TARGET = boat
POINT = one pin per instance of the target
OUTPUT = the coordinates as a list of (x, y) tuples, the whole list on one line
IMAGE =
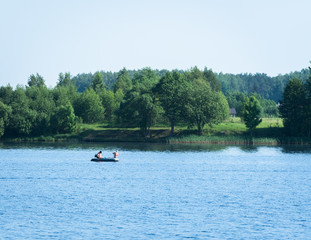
[(105, 159)]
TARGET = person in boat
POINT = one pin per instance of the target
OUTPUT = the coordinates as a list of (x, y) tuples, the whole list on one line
[(99, 154), (116, 154)]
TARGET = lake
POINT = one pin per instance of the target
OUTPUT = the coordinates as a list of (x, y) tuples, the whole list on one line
[(155, 191)]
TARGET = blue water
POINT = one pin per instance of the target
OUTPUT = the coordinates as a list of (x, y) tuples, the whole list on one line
[(154, 192)]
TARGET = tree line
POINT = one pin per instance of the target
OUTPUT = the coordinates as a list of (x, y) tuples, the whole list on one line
[(192, 98), (142, 98), (268, 87)]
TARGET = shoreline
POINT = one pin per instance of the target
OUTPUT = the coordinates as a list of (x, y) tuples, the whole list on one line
[(222, 140)]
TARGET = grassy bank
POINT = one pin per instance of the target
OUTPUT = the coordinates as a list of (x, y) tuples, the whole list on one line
[(232, 131)]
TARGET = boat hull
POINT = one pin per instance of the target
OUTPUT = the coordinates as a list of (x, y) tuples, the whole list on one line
[(105, 160)]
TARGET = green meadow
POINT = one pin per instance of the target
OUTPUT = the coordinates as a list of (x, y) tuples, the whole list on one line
[(231, 131)]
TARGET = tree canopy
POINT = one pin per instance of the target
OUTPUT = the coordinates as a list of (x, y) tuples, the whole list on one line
[(145, 97), (251, 113), (296, 107)]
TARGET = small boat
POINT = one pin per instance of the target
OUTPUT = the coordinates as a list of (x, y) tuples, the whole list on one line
[(105, 159)]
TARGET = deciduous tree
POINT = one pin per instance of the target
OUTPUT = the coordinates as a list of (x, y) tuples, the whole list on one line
[(170, 91), (139, 107), (251, 113), (64, 120), (89, 107), (36, 81)]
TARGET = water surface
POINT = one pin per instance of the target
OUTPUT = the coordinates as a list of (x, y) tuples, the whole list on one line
[(54, 191)]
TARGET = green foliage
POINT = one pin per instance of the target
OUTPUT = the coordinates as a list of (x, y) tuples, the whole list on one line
[(98, 84), (5, 112), (212, 79), (111, 103), (236, 99), (251, 113), (64, 79), (41, 103), (145, 97), (268, 87), (22, 117), (88, 106), (139, 107), (170, 91), (308, 107), (83, 81), (268, 107), (203, 104), (123, 82), (295, 107), (64, 120), (36, 81), (6, 94)]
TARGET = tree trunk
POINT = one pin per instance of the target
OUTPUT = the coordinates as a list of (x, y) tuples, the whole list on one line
[(200, 127), (172, 121), (172, 128)]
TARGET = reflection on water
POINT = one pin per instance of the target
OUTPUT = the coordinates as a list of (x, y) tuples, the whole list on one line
[(159, 147)]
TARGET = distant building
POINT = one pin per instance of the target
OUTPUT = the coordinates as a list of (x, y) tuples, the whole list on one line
[(232, 112)]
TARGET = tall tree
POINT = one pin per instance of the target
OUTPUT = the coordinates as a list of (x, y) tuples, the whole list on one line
[(110, 103), (123, 82), (65, 79), (212, 79), (203, 105), (41, 101), (36, 81), (251, 111), (308, 105), (171, 89), (5, 112), (88, 106), (6, 94), (293, 107), (22, 117), (139, 107), (64, 120), (98, 84)]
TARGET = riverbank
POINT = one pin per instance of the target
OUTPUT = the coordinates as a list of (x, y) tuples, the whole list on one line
[(233, 132)]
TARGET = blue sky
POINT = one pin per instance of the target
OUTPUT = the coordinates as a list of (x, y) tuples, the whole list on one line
[(240, 36)]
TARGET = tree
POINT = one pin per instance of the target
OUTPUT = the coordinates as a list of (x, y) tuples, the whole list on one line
[(41, 101), (36, 81), (5, 112), (22, 118), (212, 79), (293, 106), (98, 84), (251, 113), (6, 94), (235, 100), (170, 90), (88, 106), (139, 107), (64, 120), (64, 79), (308, 106), (83, 81), (123, 82), (204, 106)]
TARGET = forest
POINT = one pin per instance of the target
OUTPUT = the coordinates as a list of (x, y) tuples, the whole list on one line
[(144, 98)]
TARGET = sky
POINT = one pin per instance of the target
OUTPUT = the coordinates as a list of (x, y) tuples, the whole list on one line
[(82, 36)]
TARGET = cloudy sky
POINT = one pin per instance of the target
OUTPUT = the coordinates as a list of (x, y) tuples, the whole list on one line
[(82, 36)]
